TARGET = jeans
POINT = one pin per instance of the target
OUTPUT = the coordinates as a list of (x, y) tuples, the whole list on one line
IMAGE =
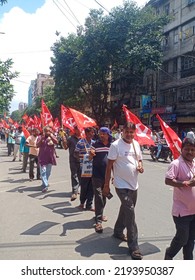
[(159, 150), (100, 200), (45, 171), (126, 217), (184, 238)]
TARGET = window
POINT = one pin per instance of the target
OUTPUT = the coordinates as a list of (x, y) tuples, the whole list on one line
[(187, 62), (175, 65), (167, 9), (188, 30), (176, 36)]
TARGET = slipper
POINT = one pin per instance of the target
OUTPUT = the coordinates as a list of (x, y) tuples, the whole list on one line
[(104, 219), (121, 237), (98, 228), (136, 255)]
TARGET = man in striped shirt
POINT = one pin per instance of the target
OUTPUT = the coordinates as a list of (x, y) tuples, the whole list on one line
[(99, 152), (82, 150)]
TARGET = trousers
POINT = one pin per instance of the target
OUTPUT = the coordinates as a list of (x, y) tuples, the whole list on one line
[(126, 217)]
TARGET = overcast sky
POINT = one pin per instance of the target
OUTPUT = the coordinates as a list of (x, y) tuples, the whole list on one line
[(30, 32)]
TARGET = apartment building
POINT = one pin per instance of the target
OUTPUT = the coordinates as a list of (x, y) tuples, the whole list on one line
[(172, 88), (37, 86)]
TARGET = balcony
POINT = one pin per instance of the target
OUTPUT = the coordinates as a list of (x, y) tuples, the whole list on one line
[(188, 72)]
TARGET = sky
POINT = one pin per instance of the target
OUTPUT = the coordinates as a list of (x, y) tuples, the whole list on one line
[(29, 28)]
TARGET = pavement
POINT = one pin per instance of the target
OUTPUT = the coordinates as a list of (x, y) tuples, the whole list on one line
[(50, 227)]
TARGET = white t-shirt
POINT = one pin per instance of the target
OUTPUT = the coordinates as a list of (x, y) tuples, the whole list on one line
[(125, 165)]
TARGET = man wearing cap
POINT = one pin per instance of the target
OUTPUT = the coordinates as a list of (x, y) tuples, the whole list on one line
[(99, 152)]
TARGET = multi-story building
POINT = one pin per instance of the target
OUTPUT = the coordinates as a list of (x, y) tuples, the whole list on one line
[(22, 106), (42, 81), (30, 92), (173, 87)]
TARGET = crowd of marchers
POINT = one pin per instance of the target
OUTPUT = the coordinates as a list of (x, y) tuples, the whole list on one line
[(101, 158)]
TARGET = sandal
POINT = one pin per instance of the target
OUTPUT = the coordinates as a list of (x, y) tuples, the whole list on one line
[(121, 237), (98, 228), (136, 255), (104, 219)]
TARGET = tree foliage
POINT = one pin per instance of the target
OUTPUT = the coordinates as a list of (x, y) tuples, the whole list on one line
[(16, 115), (6, 88), (128, 40), (3, 2)]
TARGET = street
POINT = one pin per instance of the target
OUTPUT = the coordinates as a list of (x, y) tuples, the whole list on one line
[(49, 226)]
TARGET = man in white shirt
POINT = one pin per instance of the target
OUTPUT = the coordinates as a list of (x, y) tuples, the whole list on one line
[(125, 158)]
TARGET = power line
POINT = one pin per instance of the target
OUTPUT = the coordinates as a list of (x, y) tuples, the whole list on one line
[(64, 14), (72, 12), (102, 6), (83, 4)]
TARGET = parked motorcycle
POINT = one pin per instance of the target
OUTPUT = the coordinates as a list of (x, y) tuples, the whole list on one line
[(164, 154)]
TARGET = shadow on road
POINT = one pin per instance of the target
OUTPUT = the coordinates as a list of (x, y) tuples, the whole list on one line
[(39, 228)]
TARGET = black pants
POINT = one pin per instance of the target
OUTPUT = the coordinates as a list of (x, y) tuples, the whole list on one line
[(75, 176), (126, 217), (86, 194), (100, 200), (184, 237), (32, 160)]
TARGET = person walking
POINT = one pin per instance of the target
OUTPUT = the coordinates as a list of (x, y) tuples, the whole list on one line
[(82, 150), (125, 158), (181, 176), (99, 151), (10, 141), (74, 163), (31, 142), (25, 152), (18, 135), (46, 157)]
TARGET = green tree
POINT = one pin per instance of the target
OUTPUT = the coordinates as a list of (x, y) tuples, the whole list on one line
[(3, 2), (16, 115), (6, 88), (122, 44)]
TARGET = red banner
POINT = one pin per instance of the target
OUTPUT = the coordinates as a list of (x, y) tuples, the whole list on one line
[(143, 133), (172, 139)]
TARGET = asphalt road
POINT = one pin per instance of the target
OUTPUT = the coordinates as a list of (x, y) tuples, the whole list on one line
[(49, 226)]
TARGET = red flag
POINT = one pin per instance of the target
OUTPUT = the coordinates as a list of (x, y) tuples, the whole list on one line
[(56, 124), (143, 133), (10, 121), (16, 124), (37, 123), (172, 139), (30, 122), (47, 116), (25, 131), (82, 120), (67, 118), (5, 125), (25, 117)]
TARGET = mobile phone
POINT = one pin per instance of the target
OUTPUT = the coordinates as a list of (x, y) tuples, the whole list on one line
[(109, 196)]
